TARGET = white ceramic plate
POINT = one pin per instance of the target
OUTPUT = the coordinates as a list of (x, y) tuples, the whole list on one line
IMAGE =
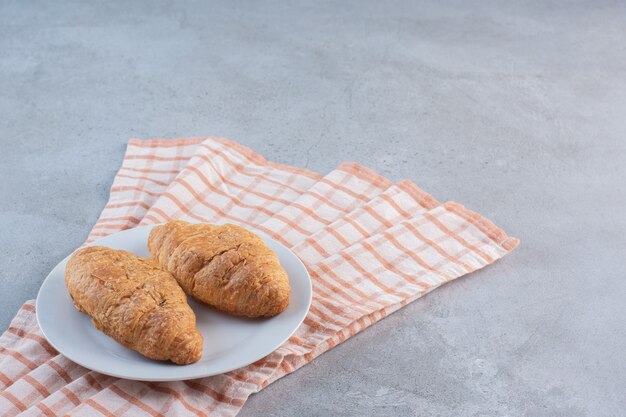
[(229, 342)]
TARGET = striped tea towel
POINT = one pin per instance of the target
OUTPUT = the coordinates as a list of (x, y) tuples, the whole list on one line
[(371, 247)]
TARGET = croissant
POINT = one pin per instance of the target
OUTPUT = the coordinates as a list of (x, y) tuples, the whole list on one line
[(226, 267), (136, 303)]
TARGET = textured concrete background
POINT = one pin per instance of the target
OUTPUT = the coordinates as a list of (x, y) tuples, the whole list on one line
[(515, 110)]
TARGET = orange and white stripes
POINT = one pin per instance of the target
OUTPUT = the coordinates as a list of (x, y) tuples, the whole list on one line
[(146, 172), (371, 247), (335, 195), (225, 182)]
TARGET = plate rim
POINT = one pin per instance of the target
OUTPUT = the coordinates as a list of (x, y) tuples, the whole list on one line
[(97, 242)]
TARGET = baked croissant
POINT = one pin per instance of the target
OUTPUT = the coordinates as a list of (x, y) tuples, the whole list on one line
[(226, 267), (136, 303)]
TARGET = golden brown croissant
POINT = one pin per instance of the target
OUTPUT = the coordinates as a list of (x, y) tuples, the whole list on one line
[(225, 266), (136, 303)]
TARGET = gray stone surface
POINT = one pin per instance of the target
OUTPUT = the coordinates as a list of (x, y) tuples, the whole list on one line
[(515, 110)]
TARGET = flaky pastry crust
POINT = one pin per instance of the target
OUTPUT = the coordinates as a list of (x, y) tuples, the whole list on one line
[(132, 300), (226, 267)]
